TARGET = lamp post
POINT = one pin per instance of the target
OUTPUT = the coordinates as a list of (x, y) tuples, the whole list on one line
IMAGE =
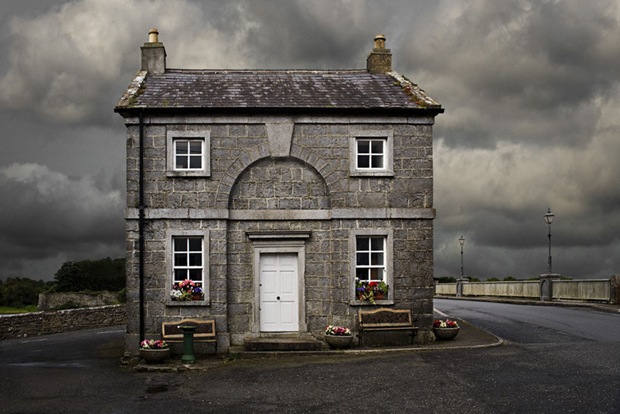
[(549, 219), (462, 242)]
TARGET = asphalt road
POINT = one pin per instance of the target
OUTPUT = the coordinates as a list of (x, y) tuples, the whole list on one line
[(544, 367)]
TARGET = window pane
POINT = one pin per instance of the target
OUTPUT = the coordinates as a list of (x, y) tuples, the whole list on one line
[(361, 274), (362, 259), (181, 162), (195, 259), (195, 244), (181, 147), (377, 161), (362, 243), (195, 147), (180, 275), (363, 147), (376, 259), (195, 163), (180, 244), (376, 274), (195, 274), (180, 259), (363, 161), (377, 243), (377, 147)]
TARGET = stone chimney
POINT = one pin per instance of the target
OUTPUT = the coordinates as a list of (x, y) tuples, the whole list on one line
[(153, 54), (380, 59)]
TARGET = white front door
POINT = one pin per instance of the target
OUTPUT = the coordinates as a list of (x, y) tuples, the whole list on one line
[(279, 295)]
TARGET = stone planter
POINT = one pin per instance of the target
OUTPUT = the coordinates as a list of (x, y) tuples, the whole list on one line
[(154, 356), (339, 341), (446, 333)]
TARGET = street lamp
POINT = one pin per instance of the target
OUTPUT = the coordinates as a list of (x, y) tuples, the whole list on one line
[(549, 219), (462, 242)]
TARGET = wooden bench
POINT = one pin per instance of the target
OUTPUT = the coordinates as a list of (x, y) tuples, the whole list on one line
[(386, 320), (205, 331)]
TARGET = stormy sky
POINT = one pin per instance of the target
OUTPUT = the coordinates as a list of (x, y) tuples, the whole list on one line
[(531, 91)]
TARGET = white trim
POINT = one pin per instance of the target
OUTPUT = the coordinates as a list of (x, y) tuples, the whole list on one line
[(279, 243)]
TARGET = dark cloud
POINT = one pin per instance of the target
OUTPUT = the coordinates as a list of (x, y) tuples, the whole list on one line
[(530, 89)]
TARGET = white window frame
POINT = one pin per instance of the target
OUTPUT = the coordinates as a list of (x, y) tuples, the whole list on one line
[(171, 235), (388, 257), (172, 137), (387, 137)]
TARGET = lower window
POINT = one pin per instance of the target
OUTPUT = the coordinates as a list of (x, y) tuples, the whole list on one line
[(370, 268), (188, 268)]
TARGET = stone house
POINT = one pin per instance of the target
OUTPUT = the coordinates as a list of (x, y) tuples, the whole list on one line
[(276, 192)]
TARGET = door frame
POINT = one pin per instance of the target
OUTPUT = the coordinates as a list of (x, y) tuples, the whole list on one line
[(280, 243)]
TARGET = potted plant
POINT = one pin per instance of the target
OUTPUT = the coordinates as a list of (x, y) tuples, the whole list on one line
[(370, 291), (445, 329), (338, 337), (186, 290), (154, 350)]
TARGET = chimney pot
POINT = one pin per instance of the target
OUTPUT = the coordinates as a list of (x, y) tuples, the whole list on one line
[(380, 42), (153, 33)]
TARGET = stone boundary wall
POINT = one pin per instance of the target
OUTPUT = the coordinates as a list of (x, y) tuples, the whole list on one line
[(59, 300), (43, 323)]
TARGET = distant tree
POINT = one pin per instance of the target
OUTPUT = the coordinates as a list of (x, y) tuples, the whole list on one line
[(20, 291), (509, 279), (492, 279), (104, 274), (446, 279), (473, 279)]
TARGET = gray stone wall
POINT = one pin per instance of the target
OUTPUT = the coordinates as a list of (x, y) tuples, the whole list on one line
[(76, 299), (246, 179), (44, 323)]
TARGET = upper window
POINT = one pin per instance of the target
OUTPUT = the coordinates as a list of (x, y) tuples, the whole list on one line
[(371, 153), (188, 153)]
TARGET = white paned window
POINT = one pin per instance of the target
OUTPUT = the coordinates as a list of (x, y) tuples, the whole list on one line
[(371, 153), (370, 258), (188, 153), (188, 265)]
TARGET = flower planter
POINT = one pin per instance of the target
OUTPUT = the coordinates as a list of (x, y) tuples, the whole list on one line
[(446, 333), (153, 356), (339, 341)]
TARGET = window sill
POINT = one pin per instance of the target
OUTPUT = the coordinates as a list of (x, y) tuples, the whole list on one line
[(383, 302), (188, 303), (379, 173)]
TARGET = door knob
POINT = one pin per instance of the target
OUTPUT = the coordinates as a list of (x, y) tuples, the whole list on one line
[(278, 298)]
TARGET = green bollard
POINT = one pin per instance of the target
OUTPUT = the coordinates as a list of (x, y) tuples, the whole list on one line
[(188, 344)]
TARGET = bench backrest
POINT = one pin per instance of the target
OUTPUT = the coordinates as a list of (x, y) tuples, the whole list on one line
[(204, 328), (385, 317)]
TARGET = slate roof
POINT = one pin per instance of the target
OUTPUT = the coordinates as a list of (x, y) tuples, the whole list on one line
[(275, 90)]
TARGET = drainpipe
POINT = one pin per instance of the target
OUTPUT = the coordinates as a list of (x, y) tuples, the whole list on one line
[(141, 225)]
